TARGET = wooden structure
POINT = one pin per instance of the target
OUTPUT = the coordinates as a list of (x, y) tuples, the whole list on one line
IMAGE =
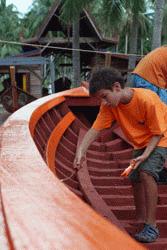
[(24, 83), (28, 71), (43, 199), (54, 33)]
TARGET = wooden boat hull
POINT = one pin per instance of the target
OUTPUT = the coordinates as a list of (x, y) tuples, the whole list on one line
[(39, 211)]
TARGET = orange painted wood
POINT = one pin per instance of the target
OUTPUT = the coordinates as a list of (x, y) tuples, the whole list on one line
[(90, 193), (55, 138), (59, 98), (5, 238), (40, 212), (37, 114)]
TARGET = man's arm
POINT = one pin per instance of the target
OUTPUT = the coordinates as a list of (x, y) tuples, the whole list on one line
[(90, 136), (150, 147)]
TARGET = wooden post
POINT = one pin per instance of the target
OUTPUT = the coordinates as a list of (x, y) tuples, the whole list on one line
[(52, 73), (131, 66), (25, 82), (108, 59), (14, 91)]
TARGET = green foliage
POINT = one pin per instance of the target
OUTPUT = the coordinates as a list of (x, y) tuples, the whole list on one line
[(9, 29), (71, 9), (113, 17), (164, 27), (33, 19), (112, 14)]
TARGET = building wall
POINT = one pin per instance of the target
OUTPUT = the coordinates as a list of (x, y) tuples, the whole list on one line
[(35, 76), (35, 84)]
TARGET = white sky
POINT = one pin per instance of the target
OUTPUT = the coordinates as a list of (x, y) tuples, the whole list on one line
[(22, 5)]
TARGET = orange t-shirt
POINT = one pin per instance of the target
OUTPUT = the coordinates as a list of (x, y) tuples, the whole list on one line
[(143, 117), (153, 67)]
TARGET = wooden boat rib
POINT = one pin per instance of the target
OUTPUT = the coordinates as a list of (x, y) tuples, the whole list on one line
[(38, 147)]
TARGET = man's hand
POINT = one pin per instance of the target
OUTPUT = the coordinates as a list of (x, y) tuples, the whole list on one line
[(150, 147), (78, 161), (139, 160), (90, 136), (134, 164)]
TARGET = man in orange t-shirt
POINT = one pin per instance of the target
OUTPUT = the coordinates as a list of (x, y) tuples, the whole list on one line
[(151, 72), (143, 119)]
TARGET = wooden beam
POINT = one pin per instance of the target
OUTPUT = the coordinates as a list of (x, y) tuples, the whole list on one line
[(23, 61), (108, 59), (14, 91), (61, 40)]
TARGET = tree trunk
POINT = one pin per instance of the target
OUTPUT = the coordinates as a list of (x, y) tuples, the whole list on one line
[(157, 27), (142, 46), (133, 36), (131, 66), (126, 43), (76, 54)]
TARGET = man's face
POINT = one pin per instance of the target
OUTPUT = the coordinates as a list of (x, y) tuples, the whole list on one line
[(110, 98)]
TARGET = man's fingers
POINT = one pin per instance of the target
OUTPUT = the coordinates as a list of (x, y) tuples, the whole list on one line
[(76, 165), (136, 165), (78, 162), (137, 162)]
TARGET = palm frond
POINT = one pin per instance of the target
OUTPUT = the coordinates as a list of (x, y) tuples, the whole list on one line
[(71, 9)]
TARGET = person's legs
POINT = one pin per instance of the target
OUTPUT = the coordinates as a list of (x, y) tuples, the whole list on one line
[(151, 197), (139, 201), (148, 173), (150, 232), (138, 191)]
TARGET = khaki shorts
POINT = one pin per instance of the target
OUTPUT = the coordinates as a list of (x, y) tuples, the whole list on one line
[(153, 165)]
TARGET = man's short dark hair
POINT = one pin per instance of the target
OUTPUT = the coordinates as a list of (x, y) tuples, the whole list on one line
[(104, 78)]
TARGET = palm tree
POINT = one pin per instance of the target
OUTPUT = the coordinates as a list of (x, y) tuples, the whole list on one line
[(157, 27), (164, 28), (127, 17), (71, 10), (9, 28), (35, 16), (138, 9), (109, 15)]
